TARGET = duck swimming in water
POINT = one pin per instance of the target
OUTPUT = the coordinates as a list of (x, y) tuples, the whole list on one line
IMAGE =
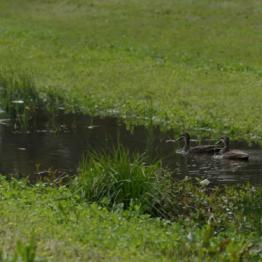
[(228, 153), (203, 149)]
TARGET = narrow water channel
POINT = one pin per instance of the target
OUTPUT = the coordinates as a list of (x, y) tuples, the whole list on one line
[(25, 154)]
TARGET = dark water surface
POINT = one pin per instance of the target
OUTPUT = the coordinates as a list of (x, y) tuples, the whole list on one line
[(24, 154)]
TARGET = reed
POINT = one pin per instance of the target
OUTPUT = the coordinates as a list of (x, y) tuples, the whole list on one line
[(125, 181), (118, 179), (25, 104)]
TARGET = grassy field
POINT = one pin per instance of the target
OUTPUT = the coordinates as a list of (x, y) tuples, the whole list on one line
[(47, 223), (188, 65), (185, 64)]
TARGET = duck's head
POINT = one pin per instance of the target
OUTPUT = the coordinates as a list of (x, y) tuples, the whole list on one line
[(185, 137), (224, 140)]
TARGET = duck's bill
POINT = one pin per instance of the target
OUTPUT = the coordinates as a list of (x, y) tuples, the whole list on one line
[(219, 142), (173, 140), (180, 138), (170, 141)]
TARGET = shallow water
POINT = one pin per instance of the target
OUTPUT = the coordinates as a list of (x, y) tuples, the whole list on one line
[(26, 154)]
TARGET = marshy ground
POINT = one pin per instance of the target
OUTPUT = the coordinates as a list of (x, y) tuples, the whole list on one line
[(185, 65)]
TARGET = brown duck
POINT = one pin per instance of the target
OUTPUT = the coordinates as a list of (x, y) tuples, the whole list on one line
[(228, 153), (202, 149)]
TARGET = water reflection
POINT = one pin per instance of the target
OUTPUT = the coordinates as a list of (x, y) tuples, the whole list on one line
[(24, 154)]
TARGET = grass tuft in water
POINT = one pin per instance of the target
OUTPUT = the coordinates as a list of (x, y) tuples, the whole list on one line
[(118, 180), (24, 103), (121, 180), (19, 97)]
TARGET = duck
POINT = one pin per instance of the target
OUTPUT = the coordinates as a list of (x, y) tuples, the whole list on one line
[(228, 153), (202, 149)]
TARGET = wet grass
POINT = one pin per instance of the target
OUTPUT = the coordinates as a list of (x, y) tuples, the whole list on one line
[(145, 61), (58, 223), (125, 180), (26, 106), (118, 179), (121, 208)]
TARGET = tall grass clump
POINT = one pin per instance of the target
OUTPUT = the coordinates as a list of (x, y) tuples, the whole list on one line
[(122, 180), (19, 97), (25, 104), (119, 179)]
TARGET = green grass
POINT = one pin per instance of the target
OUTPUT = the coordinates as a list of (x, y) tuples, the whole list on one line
[(124, 180), (188, 65), (184, 64), (26, 106), (121, 209), (118, 179), (44, 223)]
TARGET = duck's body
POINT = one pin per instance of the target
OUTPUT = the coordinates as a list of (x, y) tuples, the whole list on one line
[(234, 154), (203, 149)]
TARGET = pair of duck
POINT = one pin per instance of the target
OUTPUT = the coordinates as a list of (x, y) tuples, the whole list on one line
[(222, 152)]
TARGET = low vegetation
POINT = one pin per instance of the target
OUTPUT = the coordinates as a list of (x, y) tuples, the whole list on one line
[(128, 210), (122, 179), (187, 65), (115, 179), (144, 61), (26, 106)]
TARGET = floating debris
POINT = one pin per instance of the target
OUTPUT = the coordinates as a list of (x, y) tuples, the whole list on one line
[(4, 122), (43, 173), (18, 102), (92, 126), (171, 141), (21, 148), (205, 182)]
